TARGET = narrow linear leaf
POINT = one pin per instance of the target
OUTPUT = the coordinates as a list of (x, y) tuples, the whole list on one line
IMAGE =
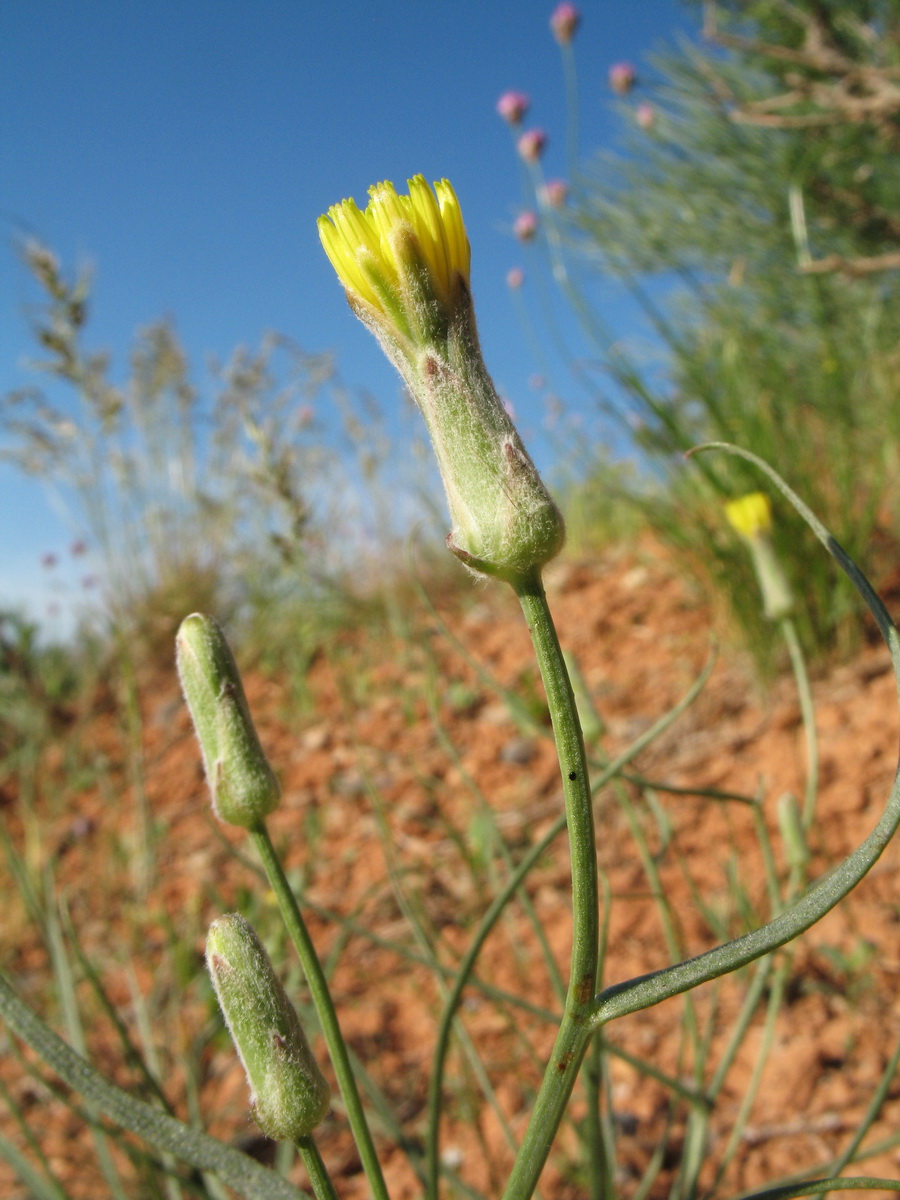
[(635, 994), (814, 1187), (188, 1145), (39, 1187)]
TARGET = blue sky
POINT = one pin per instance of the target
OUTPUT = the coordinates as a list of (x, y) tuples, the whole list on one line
[(186, 150)]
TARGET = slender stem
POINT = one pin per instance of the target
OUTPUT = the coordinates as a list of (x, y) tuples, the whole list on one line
[(319, 1179), (318, 987), (801, 676), (489, 920), (568, 58), (574, 1031), (598, 1134), (849, 1153)]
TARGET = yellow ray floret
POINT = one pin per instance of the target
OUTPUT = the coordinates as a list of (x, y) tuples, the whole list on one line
[(750, 515), (365, 252)]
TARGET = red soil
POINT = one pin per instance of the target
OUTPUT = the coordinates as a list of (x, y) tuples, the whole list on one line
[(384, 759)]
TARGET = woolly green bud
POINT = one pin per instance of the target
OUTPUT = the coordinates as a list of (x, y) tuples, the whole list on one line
[(288, 1093), (243, 785), (404, 264)]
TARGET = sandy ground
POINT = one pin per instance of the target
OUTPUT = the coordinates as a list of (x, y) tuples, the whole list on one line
[(388, 755)]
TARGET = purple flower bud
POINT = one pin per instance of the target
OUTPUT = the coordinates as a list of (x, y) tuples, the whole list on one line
[(555, 192), (531, 144), (645, 115), (622, 78), (49, 560), (564, 22), (512, 107), (515, 277), (525, 226)]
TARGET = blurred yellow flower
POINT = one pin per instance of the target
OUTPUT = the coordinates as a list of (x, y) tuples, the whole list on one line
[(750, 515)]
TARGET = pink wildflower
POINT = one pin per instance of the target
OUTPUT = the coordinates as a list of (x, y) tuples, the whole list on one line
[(622, 78), (512, 107), (531, 144), (555, 192), (515, 277), (564, 22), (645, 115), (525, 226)]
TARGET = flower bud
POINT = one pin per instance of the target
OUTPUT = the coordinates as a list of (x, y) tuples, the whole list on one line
[(564, 22), (404, 264), (751, 517), (243, 786), (531, 144), (645, 115), (512, 107), (622, 78), (515, 277), (555, 192), (525, 226), (289, 1095)]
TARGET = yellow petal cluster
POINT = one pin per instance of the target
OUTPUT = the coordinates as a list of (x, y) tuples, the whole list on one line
[(365, 252), (750, 515)]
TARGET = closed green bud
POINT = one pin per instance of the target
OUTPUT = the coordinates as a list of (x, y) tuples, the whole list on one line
[(243, 785), (288, 1093)]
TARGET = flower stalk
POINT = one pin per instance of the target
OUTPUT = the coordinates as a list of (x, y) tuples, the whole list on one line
[(404, 265), (576, 1026), (209, 676)]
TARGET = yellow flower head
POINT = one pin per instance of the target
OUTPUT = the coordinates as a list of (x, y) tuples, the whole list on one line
[(404, 264), (399, 247), (750, 515)]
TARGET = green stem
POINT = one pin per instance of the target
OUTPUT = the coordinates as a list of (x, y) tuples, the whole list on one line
[(574, 1031), (319, 1179), (598, 1136), (467, 964), (321, 996), (801, 677), (568, 58)]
